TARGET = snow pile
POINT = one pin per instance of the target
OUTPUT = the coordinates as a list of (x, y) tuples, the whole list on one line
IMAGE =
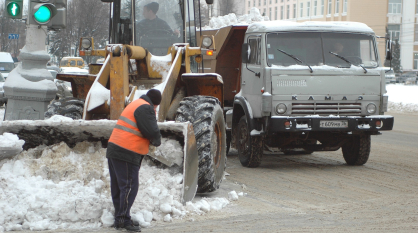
[(57, 187), (232, 19), (10, 145), (172, 151), (402, 98), (233, 196), (59, 118), (402, 107)]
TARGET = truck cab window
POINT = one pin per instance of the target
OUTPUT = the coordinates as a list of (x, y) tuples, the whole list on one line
[(255, 51), (359, 49), (305, 46)]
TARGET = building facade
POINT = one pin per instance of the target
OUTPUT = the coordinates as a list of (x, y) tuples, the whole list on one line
[(398, 16)]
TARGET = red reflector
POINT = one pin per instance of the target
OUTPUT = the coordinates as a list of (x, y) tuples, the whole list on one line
[(378, 123), (82, 53), (287, 123), (262, 90), (209, 52)]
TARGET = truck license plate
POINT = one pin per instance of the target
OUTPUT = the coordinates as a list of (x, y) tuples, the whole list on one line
[(333, 124)]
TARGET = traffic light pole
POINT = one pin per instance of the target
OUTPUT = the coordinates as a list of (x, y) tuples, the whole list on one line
[(30, 86)]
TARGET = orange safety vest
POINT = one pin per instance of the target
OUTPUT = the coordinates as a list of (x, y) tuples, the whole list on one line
[(126, 133)]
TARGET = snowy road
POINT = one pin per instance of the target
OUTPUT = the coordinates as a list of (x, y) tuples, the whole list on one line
[(319, 193)]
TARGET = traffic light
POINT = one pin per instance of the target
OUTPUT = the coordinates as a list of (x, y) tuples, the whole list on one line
[(51, 13), (59, 21), (14, 8)]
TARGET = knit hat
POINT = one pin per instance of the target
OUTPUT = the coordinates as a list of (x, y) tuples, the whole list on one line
[(155, 96), (153, 6)]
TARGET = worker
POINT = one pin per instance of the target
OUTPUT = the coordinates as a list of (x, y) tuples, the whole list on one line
[(135, 129), (151, 21)]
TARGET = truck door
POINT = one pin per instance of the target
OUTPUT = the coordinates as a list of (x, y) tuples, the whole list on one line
[(252, 80)]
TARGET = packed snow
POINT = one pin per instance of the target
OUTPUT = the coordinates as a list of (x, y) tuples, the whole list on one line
[(56, 187), (232, 19)]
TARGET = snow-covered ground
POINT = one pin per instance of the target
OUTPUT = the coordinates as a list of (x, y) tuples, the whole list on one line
[(57, 187), (403, 98)]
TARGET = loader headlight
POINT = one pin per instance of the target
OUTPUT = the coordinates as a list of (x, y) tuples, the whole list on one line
[(207, 42), (281, 108), (86, 43), (371, 108)]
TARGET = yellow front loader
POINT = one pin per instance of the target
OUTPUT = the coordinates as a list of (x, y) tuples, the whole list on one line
[(191, 110)]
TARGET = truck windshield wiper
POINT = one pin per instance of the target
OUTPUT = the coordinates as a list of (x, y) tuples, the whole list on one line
[(296, 59), (345, 59)]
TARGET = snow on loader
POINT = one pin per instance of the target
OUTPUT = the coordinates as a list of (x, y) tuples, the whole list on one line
[(157, 59)]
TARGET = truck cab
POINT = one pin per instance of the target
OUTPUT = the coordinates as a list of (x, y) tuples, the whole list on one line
[(313, 86)]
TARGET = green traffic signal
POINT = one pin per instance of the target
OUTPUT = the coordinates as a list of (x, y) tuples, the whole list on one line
[(43, 14), (13, 9)]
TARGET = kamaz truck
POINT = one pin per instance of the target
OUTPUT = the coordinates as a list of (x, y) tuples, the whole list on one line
[(300, 87)]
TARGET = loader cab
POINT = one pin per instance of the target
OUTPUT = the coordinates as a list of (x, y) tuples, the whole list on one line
[(154, 24)]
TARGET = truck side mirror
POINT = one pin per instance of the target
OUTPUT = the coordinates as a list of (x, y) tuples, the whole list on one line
[(209, 2), (389, 50), (244, 53)]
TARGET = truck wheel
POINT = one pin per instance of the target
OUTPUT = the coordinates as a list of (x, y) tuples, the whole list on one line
[(69, 107), (206, 115), (357, 150), (250, 149)]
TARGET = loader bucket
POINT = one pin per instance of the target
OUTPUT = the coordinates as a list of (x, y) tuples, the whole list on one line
[(49, 132)]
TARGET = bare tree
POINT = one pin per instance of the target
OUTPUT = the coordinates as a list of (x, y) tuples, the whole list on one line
[(227, 6), (89, 18)]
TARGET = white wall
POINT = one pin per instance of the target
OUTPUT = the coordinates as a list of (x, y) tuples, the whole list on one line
[(407, 34)]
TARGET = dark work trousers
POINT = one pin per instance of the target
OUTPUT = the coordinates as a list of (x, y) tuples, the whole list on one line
[(124, 187)]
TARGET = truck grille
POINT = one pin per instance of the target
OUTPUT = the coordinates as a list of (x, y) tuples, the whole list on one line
[(352, 109)]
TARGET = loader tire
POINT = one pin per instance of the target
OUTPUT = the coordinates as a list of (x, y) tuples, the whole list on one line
[(206, 115), (69, 107), (357, 150), (250, 148)]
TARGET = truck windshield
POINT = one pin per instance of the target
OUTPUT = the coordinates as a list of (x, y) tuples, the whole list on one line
[(158, 24), (315, 48)]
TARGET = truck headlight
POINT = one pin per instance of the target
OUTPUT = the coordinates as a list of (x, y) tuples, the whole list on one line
[(207, 42), (371, 108), (281, 108)]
